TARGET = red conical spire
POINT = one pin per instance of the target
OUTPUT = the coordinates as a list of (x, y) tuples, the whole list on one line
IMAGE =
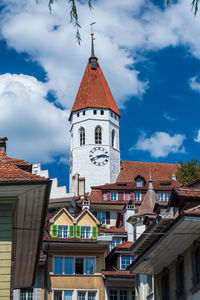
[(94, 91)]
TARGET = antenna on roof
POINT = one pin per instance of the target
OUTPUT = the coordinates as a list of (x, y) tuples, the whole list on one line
[(93, 59)]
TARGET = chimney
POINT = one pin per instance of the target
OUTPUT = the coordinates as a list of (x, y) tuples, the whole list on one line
[(75, 184), (81, 183), (3, 143)]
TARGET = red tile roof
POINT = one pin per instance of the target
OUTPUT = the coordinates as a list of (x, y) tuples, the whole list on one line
[(192, 211), (94, 92), (115, 272), (125, 245), (9, 172), (112, 229), (158, 185), (19, 162), (96, 197), (187, 192), (159, 171)]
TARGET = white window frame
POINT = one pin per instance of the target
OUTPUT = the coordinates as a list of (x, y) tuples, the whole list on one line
[(26, 293), (136, 197), (63, 225), (115, 193), (114, 238), (131, 260), (165, 196), (101, 212), (139, 183), (74, 257), (118, 291), (75, 293), (90, 235)]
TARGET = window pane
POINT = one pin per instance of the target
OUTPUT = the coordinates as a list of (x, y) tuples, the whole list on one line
[(137, 196), (57, 295), (58, 265), (68, 265), (123, 295), (68, 295), (126, 261), (113, 196), (78, 265), (85, 232), (81, 295), (102, 217), (26, 295), (89, 265), (92, 295), (62, 231), (115, 242), (113, 294)]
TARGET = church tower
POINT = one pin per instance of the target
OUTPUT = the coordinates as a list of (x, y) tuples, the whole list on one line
[(94, 127)]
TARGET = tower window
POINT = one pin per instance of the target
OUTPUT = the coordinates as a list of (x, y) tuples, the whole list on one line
[(113, 138), (94, 112), (82, 136), (102, 112), (98, 135), (84, 113), (77, 114)]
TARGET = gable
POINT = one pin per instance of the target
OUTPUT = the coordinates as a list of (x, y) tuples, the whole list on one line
[(86, 219), (63, 219)]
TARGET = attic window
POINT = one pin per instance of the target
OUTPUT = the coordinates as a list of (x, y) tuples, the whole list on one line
[(102, 112), (139, 183), (84, 113), (94, 112), (77, 114)]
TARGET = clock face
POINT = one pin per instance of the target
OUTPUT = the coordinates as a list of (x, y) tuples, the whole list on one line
[(99, 156)]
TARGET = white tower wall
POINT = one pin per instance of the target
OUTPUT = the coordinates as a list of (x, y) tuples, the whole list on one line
[(80, 161)]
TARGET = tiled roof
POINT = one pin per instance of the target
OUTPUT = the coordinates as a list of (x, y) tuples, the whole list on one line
[(125, 245), (160, 185), (187, 192), (96, 197), (115, 272), (112, 230), (192, 211), (19, 162), (94, 92), (159, 171), (9, 172)]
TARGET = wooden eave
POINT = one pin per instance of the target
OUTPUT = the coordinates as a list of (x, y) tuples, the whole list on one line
[(173, 241), (30, 206)]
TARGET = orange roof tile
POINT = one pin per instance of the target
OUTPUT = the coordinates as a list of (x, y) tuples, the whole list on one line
[(159, 171), (112, 230), (9, 172), (125, 245), (187, 192), (94, 92)]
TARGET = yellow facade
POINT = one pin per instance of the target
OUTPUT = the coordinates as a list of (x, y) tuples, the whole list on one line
[(76, 248), (6, 212)]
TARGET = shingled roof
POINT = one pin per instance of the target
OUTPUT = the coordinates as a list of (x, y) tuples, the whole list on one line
[(159, 171), (9, 172), (94, 92)]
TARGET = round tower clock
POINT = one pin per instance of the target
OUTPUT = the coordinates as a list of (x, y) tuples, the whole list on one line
[(99, 156)]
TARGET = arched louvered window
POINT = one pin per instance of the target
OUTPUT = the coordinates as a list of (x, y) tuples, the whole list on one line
[(82, 136), (98, 135), (113, 138)]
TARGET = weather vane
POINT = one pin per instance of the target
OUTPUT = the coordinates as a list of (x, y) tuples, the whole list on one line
[(92, 33)]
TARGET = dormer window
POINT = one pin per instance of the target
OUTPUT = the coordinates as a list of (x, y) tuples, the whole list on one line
[(139, 183)]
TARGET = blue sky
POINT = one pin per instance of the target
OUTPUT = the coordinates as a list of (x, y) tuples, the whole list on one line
[(150, 56)]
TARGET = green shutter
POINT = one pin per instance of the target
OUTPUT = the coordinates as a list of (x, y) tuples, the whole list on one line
[(71, 231), (54, 231), (94, 232), (77, 231)]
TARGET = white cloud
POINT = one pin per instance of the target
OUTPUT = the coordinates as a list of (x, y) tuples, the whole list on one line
[(167, 116), (197, 138), (194, 84), (35, 128), (160, 144)]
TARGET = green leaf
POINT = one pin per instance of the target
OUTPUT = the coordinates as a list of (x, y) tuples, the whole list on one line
[(54, 231)]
